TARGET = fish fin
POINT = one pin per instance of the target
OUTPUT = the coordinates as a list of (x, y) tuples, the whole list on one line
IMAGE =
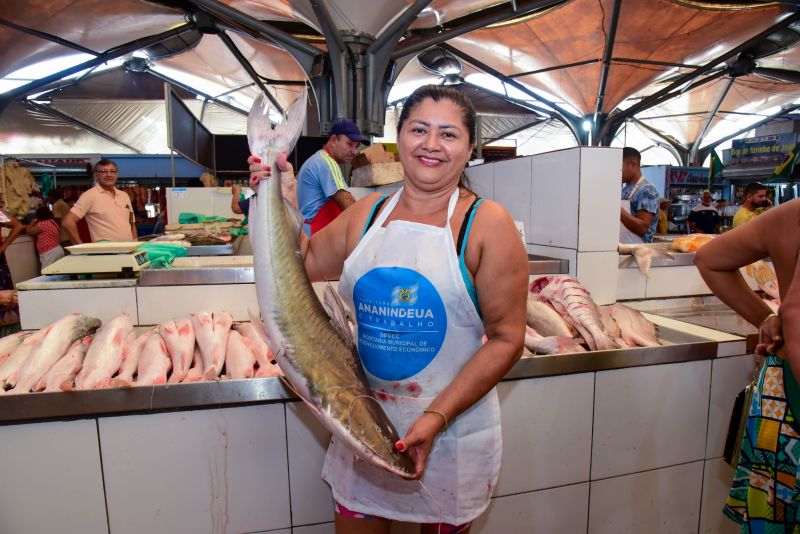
[(335, 308), (295, 216)]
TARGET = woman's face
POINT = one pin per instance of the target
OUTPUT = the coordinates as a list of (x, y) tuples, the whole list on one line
[(434, 144)]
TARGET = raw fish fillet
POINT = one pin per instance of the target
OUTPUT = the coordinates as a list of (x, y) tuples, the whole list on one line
[(178, 335), (195, 373), (11, 365), (154, 363), (240, 360), (574, 303), (550, 344), (10, 343), (57, 339), (255, 333), (130, 356), (636, 329), (104, 357), (61, 376), (211, 332), (691, 242), (546, 320)]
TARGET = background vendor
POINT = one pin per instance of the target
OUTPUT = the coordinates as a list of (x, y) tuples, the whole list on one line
[(108, 210), (321, 191), (640, 201), (755, 201)]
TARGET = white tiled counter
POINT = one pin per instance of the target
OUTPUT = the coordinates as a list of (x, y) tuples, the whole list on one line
[(629, 449)]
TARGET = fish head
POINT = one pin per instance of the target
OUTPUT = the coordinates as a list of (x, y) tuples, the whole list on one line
[(370, 425)]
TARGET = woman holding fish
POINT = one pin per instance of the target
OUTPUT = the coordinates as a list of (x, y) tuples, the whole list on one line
[(764, 496), (426, 272)]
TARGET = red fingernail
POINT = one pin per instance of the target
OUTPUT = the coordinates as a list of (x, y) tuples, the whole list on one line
[(256, 159), (400, 446)]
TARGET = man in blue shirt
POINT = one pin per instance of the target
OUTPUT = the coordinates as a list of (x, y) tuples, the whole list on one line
[(321, 193), (640, 199)]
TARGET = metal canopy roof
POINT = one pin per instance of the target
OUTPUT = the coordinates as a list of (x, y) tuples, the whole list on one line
[(689, 73)]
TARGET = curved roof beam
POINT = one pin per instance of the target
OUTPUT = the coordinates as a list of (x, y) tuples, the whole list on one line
[(573, 122), (49, 37), (468, 23), (248, 68), (113, 53), (714, 110), (676, 87), (607, 54), (672, 144)]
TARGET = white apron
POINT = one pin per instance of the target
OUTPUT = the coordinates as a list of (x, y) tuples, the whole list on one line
[(417, 327), (625, 235)]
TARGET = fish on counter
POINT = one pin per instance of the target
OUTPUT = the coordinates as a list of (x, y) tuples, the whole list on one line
[(195, 373), (104, 357), (211, 331), (254, 331), (645, 253), (545, 320), (61, 376), (178, 335), (131, 352), (538, 344), (9, 343), (240, 360), (636, 329), (56, 340), (575, 305), (691, 242), (11, 365), (154, 363), (319, 362)]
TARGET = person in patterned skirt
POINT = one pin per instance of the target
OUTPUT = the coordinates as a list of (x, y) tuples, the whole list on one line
[(765, 494)]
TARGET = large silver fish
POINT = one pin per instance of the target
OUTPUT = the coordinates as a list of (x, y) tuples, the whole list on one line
[(318, 359)]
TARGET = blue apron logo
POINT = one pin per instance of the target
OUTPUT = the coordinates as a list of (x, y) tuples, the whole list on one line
[(401, 322)]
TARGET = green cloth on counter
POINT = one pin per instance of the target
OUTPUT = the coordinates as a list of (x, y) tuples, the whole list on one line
[(162, 255), (195, 218)]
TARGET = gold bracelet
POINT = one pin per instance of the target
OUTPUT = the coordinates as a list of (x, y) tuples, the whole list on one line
[(767, 318), (440, 413)]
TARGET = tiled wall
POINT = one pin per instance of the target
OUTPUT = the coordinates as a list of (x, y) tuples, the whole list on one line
[(568, 201), (628, 450)]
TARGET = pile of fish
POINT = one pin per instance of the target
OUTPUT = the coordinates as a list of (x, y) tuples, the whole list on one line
[(77, 353), (562, 318)]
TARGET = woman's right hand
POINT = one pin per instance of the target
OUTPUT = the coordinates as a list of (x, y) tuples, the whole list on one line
[(261, 171), (770, 336)]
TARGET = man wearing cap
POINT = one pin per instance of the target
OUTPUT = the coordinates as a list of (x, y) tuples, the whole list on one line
[(321, 193)]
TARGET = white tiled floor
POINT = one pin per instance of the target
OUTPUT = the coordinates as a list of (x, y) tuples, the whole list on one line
[(728, 377), (555, 511), (307, 442), (649, 417), (52, 480), (547, 432), (717, 480), (661, 501), (201, 471), (325, 528)]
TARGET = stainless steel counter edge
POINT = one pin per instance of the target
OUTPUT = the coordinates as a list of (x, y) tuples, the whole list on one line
[(150, 399)]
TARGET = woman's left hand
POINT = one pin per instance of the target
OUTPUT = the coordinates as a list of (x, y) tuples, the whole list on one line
[(770, 336), (418, 441)]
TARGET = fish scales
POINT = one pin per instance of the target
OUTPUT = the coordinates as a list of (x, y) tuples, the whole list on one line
[(319, 364)]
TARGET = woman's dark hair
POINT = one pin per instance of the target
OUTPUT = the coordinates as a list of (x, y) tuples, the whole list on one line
[(438, 93), (44, 213)]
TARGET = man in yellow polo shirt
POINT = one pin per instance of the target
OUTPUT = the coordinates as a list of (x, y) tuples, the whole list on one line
[(108, 211), (755, 200)]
